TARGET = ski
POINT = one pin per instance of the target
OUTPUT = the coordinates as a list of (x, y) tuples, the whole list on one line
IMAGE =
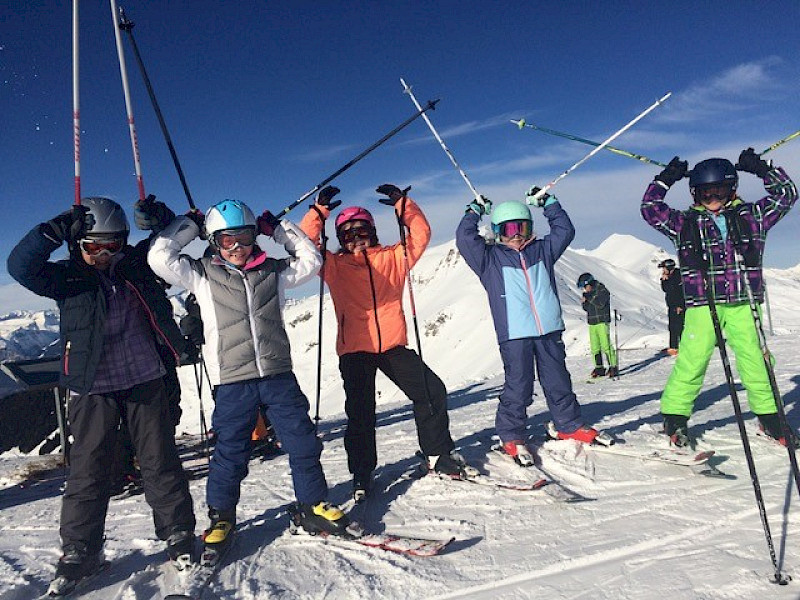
[(399, 544), (552, 488), (61, 587)]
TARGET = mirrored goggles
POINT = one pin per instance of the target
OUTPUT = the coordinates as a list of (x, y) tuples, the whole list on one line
[(234, 238), (719, 192), (522, 228), (97, 247), (348, 236)]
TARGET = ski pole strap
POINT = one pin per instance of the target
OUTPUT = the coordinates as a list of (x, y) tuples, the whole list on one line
[(431, 105)]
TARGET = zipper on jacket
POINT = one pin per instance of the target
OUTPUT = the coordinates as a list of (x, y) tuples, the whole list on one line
[(249, 295), (152, 319), (66, 357), (374, 302), (530, 293)]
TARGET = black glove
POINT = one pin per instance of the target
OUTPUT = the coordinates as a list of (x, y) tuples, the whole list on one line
[(199, 219), (325, 197), (191, 323), (541, 200), (267, 223), (394, 193), (69, 226), (674, 172), (150, 215), (750, 162)]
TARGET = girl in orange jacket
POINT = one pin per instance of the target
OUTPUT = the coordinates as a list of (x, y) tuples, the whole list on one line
[(366, 282)]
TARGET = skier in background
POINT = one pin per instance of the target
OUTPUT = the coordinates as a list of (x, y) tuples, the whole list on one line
[(114, 315), (518, 274), (240, 291), (366, 282), (596, 301), (676, 305), (705, 235)]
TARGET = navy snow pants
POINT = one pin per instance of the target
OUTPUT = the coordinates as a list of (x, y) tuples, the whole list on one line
[(234, 419), (549, 355)]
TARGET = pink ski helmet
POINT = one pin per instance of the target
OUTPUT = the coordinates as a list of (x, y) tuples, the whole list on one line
[(354, 213)]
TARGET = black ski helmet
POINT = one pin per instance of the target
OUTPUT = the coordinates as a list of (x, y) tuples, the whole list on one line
[(585, 279), (711, 172), (667, 264)]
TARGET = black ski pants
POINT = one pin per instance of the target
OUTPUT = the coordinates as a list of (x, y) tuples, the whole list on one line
[(405, 369), (94, 421), (675, 322)]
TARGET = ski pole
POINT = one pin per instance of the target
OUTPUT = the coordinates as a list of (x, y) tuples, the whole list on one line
[(779, 143), (521, 123), (412, 303), (617, 317), (198, 378), (123, 71), (726, 365), (407, 90), (430, 106), (602, 145), (323, 251), (767, 356), (76, 104), (127, 26)]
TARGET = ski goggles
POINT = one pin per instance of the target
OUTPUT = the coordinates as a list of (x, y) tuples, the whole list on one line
[(96, 247), (718, 192), (234, 238), (347, 236), (509, 229)]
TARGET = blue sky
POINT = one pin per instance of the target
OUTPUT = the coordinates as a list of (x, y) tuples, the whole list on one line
[(265, 99)]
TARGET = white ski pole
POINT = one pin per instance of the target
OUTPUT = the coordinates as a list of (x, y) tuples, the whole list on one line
[(76, 107), (407, 90), (123, 71), (602, 145)]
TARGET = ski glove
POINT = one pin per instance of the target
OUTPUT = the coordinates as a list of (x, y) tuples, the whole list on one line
[(150, 215), (394, 193), (267, 223), (480, 207), (69, 226), (750, 162), (541, 201), (199, 219), (674, 172), (325, 197)]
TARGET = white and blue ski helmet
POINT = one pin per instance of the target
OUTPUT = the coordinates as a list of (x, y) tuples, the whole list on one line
[(228, 214)]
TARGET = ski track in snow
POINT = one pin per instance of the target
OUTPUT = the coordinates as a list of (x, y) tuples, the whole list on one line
[(651, 531)]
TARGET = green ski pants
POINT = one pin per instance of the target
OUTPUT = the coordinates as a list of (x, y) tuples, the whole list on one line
[(600, 343)]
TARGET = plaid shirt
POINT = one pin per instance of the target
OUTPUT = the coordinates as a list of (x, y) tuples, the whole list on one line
[(129, 354), (753, 220)]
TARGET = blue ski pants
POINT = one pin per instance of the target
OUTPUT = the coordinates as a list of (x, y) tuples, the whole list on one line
[(547, 352), (234, 419)]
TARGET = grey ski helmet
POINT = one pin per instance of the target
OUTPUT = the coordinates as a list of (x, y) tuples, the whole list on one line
[(585, 279), (711, 172), (104, 218)]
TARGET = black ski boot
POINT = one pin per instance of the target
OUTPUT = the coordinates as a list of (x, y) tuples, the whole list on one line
[(75, 565), (180, 548), (361, 487), (677, 428), (451, 465), (612, 372), (598, 372), (770, 426)]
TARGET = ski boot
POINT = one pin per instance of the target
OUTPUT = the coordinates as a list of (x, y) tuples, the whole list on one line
[(180, 548), (583, 434), (677, 428), (517, 450), (128, 485), (450, 465), (218, 538), (612, 372), (321, 518), (361, 487), (74, 566), (770, 426), (598, 372)]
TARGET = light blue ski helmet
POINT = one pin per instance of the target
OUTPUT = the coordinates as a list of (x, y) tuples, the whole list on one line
[(228, 214), (510, 211)]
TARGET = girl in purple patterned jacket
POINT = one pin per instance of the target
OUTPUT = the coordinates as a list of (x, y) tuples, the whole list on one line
[(706, 237)]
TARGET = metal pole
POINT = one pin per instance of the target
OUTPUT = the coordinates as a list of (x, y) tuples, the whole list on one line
[(76, 104), (62, 426)]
